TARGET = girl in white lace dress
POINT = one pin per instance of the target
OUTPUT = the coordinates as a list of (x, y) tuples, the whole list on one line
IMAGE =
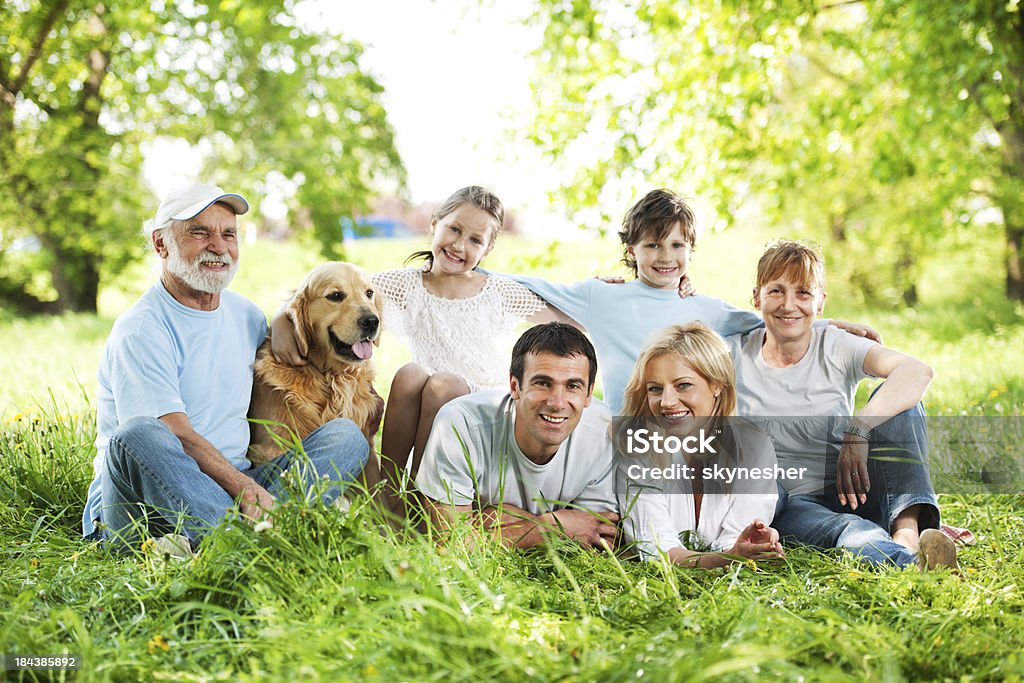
[(454, 319)]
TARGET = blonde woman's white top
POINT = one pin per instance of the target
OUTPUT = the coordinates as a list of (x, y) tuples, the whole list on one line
[(658, 514)]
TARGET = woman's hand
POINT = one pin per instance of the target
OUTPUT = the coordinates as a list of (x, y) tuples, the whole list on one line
[(858, 329), (758, 542), (852, 482)]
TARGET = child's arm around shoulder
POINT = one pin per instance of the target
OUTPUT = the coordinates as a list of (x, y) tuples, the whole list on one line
[(735, 320), (856, 329), (726, 319), (525, 297), (550, 314)]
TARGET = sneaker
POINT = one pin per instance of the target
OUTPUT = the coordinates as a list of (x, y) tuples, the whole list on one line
[(173, 546), (961, 536), (937, 550)]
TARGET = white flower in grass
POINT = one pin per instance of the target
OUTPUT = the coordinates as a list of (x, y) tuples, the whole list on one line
[(263, 526)]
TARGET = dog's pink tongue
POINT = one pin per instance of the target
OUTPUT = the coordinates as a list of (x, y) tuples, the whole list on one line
[(363, 349)]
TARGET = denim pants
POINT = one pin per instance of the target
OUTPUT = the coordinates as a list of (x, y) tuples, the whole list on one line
[(150, 478), (898, 469)]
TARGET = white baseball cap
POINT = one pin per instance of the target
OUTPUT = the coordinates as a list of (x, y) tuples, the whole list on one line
[(189, 202)]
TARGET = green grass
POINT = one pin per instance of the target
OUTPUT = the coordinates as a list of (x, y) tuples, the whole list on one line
[(332, 596)]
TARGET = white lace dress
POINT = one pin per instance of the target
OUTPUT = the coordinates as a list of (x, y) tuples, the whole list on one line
[(462, 336)]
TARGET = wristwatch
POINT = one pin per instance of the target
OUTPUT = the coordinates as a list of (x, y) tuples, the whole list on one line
[(857, 431)]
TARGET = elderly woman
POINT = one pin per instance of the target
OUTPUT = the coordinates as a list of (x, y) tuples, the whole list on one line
[(867, 487), (682, 389)]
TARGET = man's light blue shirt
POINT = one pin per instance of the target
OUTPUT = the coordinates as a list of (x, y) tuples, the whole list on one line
[(163, 357)]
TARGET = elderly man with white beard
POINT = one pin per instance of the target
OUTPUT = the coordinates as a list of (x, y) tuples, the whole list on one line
[(174, 389)]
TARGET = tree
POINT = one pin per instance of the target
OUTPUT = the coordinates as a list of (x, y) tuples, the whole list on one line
[(84, 84), (966, 64), (886, 123)]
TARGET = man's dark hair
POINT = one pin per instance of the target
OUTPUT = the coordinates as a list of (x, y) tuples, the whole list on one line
[(556, 338)]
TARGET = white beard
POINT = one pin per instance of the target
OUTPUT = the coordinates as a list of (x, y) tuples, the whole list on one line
[(194, 275)]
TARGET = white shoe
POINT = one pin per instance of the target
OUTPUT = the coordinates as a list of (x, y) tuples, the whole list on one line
[(173, 546)]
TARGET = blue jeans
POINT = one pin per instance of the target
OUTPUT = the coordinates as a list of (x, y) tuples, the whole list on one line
[(150, 479), (898, 468)]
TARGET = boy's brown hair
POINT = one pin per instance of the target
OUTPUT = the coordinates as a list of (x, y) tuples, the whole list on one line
[(652, 218)]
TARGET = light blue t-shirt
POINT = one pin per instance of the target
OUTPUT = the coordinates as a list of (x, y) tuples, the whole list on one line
[(622, 317), (164, 357)]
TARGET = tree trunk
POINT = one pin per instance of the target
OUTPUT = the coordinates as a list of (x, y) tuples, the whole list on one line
[(77, 281), (837, 226), (1010, 199), (1010, 195), (75, 272), (89, 288), (1014, 257), (910, 295), (75, 276), (63, 284), (905, 273)]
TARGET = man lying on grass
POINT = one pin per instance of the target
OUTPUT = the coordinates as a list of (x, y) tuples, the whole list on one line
[(175, 382), (534, 461)]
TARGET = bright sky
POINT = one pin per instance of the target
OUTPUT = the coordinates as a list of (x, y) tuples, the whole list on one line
[(456, 78)]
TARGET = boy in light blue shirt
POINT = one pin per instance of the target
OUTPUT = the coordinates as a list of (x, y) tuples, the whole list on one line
[(658, 235)]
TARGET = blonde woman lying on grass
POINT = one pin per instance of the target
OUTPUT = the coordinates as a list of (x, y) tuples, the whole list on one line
[(682, 386)]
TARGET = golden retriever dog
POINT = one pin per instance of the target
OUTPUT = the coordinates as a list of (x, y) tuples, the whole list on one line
[(337, 319)]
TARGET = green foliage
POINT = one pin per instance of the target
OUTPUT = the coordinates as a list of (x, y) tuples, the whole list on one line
[(876, 127), (83, 85)]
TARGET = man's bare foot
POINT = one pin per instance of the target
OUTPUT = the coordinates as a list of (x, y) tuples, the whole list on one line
[(905, 529), (908, 538)]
